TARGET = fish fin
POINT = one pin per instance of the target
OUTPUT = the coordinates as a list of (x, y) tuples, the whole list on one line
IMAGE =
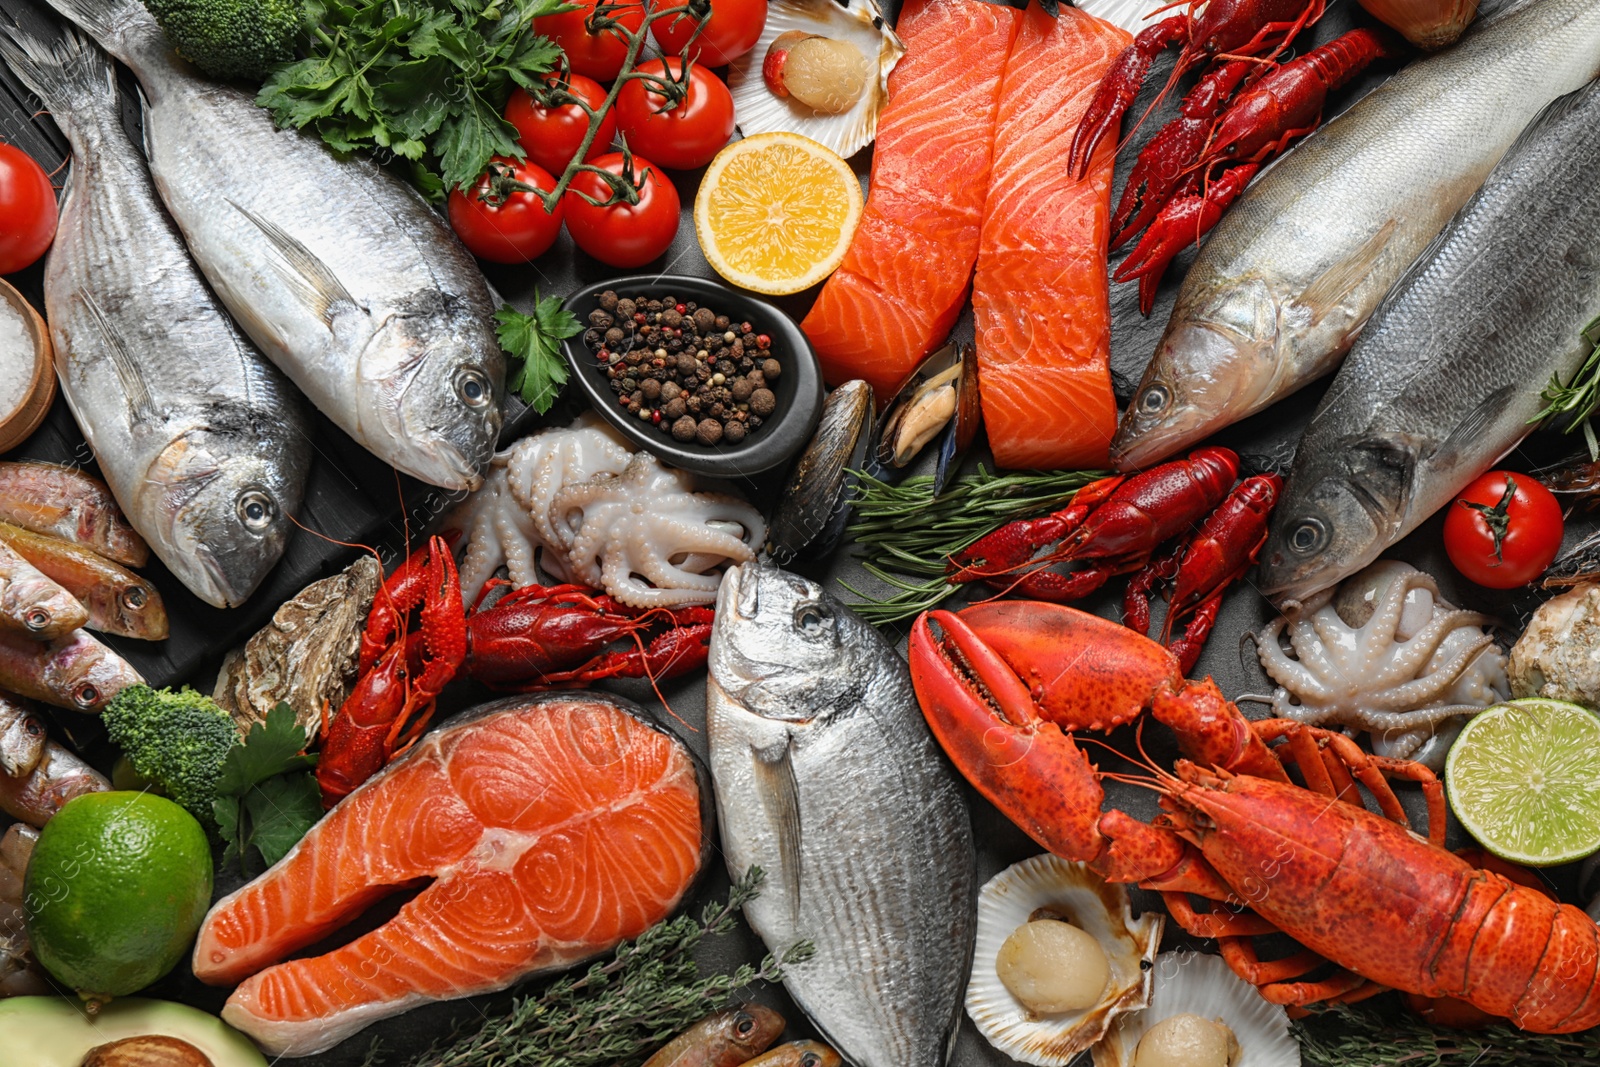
[(312, 279), (1380, 471), (121, 26), (1470, 429), (72, 78), (140, 406), (781, 794), (1340, 280)]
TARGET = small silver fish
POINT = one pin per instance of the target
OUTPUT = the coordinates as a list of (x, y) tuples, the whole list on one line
[(828, 778), (343, 275)]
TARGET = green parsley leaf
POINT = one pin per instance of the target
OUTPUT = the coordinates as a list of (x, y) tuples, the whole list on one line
[(273, 747), (281, 810), (534, 344)]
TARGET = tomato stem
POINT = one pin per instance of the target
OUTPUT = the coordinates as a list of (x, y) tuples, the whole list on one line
[(1497, 517)]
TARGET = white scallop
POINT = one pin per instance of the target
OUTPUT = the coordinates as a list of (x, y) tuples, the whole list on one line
[(1131, 15), (758, 110), (1073, 892), (1206, 986)]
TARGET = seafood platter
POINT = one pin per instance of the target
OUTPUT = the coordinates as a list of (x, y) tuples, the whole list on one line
[(799, 533)]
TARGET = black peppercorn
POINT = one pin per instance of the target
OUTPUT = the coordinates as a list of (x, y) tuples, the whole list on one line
[(756, 379), (683, 429), (675, 409), (608, 300), (709, 432), (741, 390), (762, 401), (671, 319), (771, 368), (626, 308), (600, 318), (670, 390), (704, 319), (733, 432), (650, 388)]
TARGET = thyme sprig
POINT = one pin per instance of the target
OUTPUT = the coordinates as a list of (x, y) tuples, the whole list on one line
[(650, 990), (1362, 1037), (1579, 398), (908, 533)]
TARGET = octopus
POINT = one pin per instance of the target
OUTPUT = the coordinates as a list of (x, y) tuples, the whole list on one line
[(576, 504), (1558, 655), (1385, 653), (650, 541), (19, 974)]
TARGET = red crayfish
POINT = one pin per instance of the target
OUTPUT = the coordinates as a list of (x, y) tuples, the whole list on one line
[(1117, 525), (531, 638)]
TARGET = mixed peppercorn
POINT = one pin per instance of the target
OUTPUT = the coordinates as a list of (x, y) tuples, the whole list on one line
[(698, 374)]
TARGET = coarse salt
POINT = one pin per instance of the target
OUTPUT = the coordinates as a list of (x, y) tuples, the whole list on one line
[(17, 356)]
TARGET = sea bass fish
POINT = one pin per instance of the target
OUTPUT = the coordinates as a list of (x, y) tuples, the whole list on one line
[(341, 272), (829, 780), (1294, 270), (203, 442), (1448, 375)]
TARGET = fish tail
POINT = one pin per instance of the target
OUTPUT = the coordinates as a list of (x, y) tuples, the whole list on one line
[(74, 79), (121, 26)]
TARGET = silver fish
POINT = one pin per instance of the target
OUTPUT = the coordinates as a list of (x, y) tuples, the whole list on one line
[(341, 272), (22, 736), (829, 780), (203, 442), (1448, 374), (1292, 272)]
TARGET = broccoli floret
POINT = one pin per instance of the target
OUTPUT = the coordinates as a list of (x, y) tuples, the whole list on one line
[(175, 739), (232, 38)]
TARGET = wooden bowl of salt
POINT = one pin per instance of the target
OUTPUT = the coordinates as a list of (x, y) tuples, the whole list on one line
[(27, 371)]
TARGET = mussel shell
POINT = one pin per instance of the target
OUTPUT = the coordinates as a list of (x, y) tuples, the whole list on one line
[(815, 508), (958, 434)]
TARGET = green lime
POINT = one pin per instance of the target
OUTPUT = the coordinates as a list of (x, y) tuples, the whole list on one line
[(116, 888), (1524, 779)]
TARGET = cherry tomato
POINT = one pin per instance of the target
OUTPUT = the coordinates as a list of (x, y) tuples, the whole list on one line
[(598, 55), (730, 32), (621, 234), (1503, 531), (551, 135), (688, 135), (504, 224), (27, 210)]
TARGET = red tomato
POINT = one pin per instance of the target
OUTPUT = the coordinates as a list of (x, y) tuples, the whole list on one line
[(503, 224), (730, 32), (27, 210), (597, 55), (1503, 531), (622, 234), (551, 135), (688, 135)]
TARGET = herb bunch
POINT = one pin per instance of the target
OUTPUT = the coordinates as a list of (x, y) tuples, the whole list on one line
[(649, 991), (537, 372), (1578, 399), (267, 799), (1362, 1037), (910, 534)]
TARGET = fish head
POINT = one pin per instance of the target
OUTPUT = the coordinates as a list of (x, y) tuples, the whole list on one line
[(1340, 510), (88, 673), (438, 377), (750, 1028), (784, 649), (222, 511), (1217, 362)]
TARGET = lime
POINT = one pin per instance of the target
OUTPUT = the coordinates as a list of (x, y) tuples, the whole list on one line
[(1524, 779), (116, 889)]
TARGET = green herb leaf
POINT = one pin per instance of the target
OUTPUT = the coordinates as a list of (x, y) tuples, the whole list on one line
[(1368, 1037), (226, 810), (538, 370), (272, 747), (1578, 398), (281, 810)]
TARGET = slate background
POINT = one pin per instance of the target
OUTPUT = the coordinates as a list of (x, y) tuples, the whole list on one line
[(353, 497)]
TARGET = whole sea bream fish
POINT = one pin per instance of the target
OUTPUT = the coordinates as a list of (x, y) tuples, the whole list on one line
[(1448, 375), (341, 272), (203, 442), (829, 780), (1289, 276)]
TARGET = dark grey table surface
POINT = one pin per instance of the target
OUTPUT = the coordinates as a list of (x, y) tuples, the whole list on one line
[(352, 497)]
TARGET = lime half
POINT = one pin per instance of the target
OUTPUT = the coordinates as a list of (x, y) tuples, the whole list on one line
[(1524, 779)]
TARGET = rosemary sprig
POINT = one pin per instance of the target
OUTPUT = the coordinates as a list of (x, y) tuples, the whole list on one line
[(649, 991), (1361, 1037), (909, 534), (1579, 398)]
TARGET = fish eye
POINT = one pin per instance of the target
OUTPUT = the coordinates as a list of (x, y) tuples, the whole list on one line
[(1309, 536), (809, 619), (133, 598), (743, 1024), (810, 1059), (472, 387), (88, 695), (1154, 400), (256, 510), (37, 619)]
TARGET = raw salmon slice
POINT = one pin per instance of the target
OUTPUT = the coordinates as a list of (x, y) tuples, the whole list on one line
[(551, 827), (1041, 297), (904, 279)]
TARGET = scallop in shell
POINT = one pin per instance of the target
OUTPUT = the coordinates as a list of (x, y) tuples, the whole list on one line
[(758, 109), (1050, 887), (1190, 983)]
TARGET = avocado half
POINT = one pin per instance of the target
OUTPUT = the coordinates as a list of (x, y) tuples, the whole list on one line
[(55, 1032)]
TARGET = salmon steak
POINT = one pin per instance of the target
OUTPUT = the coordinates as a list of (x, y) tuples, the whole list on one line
[(904, 278), (1040, 298), (543, 830)]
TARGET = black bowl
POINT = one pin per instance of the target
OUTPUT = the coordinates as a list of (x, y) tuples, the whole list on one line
[(798, 389)]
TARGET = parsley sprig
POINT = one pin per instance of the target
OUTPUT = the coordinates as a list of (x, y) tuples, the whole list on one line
[(533, 342), (266, 797)]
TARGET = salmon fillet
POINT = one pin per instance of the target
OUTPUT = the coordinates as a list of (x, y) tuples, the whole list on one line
[(546, 829), (1040, 297), (904, 278)]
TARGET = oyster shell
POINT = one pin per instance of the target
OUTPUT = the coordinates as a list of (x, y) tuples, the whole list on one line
[(937, 405), (758, 110), (1073, 892), (1189, 982), (1558, 655)]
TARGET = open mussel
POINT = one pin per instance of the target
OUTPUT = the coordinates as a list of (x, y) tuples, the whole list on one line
[(937, 405), (815, 507)]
